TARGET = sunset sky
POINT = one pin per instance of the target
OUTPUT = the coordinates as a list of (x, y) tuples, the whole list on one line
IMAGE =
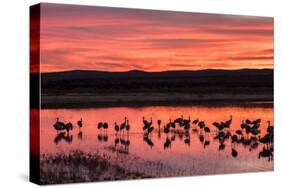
[(114, 39)]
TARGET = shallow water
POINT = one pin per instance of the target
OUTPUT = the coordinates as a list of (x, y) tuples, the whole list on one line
[(149, 156)]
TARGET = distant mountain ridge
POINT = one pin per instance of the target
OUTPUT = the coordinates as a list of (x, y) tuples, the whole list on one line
[(92, 74)]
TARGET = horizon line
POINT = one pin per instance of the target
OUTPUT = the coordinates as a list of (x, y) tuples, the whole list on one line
[(138, 70)]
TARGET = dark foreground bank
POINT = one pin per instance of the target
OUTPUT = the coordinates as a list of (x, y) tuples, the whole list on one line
[(79, 166)]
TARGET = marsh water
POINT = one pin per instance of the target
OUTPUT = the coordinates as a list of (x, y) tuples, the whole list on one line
[(200, 154)]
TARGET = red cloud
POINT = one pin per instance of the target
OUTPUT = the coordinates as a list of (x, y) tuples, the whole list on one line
[(113, 39)]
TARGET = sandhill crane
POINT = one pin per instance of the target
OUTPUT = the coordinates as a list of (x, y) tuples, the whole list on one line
[(128, 127), (255, 131), (100, 125), (248, 121), (265, 139), (195, 121), (179, 120), (173, 125), (68, 127), (123, 125), (167, 129), (116, 127), (149, 130), (159, 130), (256, 124), (105, 126), (186, 121), (269, 127), (147, 126), (243, 125), (239, 132), (246, 141), (159, 123), (257, 121), (228, 122), (79, 123), (201, 138), (186, 126), (150, 123), (145, 123), (270, 131), (59, 126), (207, 129), (201, 125), (219, 126)]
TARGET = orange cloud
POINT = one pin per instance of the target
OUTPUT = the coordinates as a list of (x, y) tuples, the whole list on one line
[(114, 39)]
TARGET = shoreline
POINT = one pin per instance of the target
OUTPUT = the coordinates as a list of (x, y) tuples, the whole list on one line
[(141, 100)]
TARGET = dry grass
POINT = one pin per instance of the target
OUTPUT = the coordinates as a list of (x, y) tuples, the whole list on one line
[(78, 166)]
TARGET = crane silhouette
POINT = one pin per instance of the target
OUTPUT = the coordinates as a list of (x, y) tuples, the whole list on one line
[(59, 126), (79, 123), (128, 127), (105, 126), (116, 127), (100, 126)]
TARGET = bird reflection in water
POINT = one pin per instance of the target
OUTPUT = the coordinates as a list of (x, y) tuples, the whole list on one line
[(122, 144), (206, 143), (126, 144), (63, 136), (181, 134), (102, 137), (168, 143), (80, 135), (148, 140), (59, 137), (234, 141), (68, 138), (201, 138), (266, 153), (222, 146), (234, 152), (105, 138), (187, 139)]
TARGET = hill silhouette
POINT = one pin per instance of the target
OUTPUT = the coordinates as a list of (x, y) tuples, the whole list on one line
[(78, 88), (91, 74)]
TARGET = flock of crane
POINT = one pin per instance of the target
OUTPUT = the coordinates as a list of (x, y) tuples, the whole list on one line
[(249, 133), (60, 126)]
